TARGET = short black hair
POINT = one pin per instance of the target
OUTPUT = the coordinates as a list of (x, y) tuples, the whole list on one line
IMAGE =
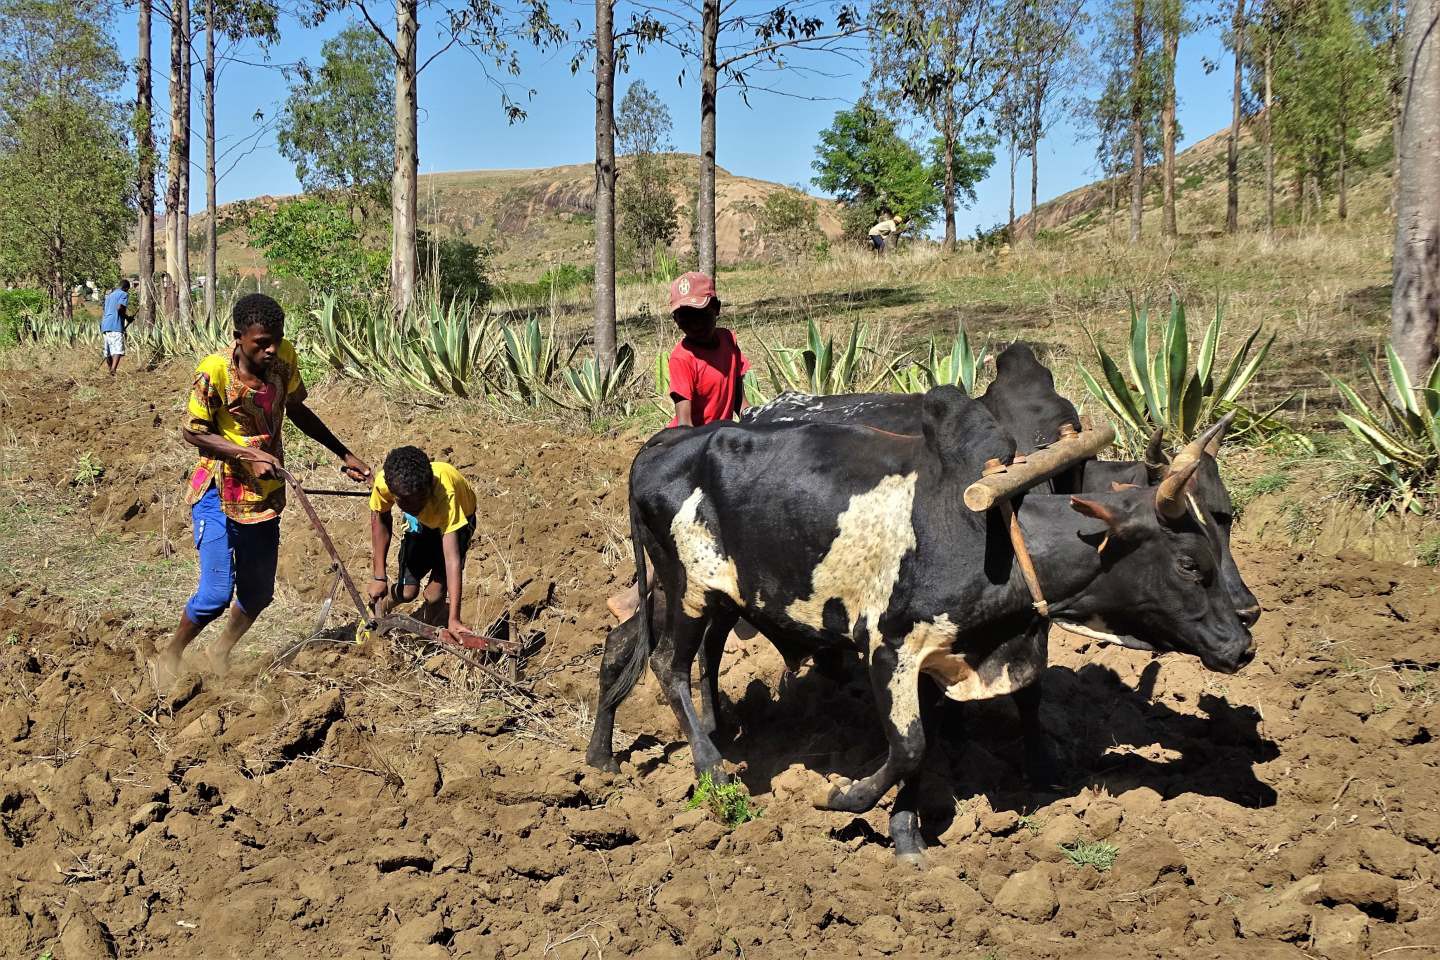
[(257, 308), (407, 472), (124, 284)]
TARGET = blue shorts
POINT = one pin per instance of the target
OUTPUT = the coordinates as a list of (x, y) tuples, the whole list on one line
[(235, 559)]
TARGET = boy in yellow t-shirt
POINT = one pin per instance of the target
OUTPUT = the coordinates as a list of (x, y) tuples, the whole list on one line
[(439, 510)]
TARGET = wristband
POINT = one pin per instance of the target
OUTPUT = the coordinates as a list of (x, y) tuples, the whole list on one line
[(381, 579)]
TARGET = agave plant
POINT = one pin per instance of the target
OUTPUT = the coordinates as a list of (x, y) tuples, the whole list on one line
[(595, 390), (820, 370), (167, 338), (1167, 391), (532, 358), (439, 349), (1404, 438), (960, 367)]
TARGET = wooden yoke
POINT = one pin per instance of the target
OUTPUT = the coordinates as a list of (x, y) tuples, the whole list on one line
[(1000, 483), (1026, 471)]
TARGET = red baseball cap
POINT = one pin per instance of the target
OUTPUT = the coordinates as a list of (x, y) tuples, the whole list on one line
[(692, 289)]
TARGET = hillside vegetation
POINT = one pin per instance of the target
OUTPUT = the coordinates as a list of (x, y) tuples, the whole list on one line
[(532, 219)]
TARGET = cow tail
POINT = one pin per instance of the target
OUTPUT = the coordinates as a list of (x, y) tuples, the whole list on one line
[(641, 641)]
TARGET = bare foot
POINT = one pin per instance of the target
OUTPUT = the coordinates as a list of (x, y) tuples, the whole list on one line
[(219, 662), (624, 605), (164, 668)]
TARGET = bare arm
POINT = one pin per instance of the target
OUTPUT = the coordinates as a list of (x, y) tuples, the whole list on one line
[(216, 446), (381, 530), (683, 415), (310, 424), (454, 578), (740, 402)]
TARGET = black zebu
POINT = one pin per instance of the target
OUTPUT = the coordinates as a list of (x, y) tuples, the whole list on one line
[(1023, 400), (824, 535)]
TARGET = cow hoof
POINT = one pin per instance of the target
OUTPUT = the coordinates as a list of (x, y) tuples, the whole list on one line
[(829, 793), (914, 858), (603, 761)]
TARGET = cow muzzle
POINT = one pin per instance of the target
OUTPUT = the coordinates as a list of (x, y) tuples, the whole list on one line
[(1231, 662)]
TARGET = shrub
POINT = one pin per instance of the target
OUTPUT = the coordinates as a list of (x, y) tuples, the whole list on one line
[(1095, 853), (454, 268), (729, 803), (16, 306)]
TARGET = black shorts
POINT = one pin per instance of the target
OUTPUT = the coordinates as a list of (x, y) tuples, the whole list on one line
[(423, 554)]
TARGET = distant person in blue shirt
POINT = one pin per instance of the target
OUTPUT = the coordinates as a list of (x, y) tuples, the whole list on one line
[(113, 323)]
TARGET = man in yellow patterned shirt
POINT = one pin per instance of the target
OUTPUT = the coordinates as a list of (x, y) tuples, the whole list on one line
[(236, 415), (438, 506)]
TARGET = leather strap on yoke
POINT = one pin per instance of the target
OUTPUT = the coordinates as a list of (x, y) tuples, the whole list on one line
[(1022, 554)]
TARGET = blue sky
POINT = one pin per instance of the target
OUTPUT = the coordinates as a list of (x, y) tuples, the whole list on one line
[(462, 127)]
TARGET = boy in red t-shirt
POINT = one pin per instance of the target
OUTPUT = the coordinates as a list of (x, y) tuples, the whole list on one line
[(707, 377), (707, 369)]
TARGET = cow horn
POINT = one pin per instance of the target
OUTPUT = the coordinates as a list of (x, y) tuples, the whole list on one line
[(1155, 460), (1170, 495), (1213, 447), (1155, 449)]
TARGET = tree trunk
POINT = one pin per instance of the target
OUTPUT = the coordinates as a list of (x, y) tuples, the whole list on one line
[(1010, 227), (1397, 91), (404, 185), (947, 132), (709, 78), (605, 185), (1232, 155), (1137, 121), (182, 227), (1037, 102), (145, 144), (211, 232), (173, 163), (1342, 210), (1269, 142), (1167, 115), (1415, 301)]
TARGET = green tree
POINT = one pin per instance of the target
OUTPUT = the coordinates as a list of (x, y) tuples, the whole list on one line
[(67, 170), (864, 163), (337, 125), (649, 216), (317, 242), (941, 61)]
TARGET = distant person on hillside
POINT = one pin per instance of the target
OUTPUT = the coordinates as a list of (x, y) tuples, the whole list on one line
[(883, 230), (707, 377), (236, 416), (113, 323), (438, 507)]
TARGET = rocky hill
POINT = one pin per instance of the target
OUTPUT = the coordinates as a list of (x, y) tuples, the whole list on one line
[(1200, 189), (531, 218)]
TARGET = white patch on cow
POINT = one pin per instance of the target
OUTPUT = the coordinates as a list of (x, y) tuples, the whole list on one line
[(1097, 629), (925, 648), (863, 563), (928, 647), (706, 568)]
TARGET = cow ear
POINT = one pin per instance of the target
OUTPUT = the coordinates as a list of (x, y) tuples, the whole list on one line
[(1097, 510), (1117, 487)]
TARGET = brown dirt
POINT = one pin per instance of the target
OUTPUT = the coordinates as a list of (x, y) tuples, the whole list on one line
[(390, 805)]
